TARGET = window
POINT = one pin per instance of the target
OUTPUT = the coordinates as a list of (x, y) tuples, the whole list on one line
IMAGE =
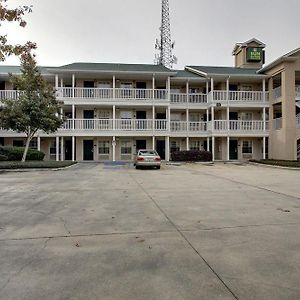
[(103, 147), (176, 117), (246, 116), (194, 117), (126, 147), (33, 144), (104, 114), (175, 146), (103, 85), (247, 147), (18, 143), (247, 88), (195, 145), (127, 115), (52, 150)]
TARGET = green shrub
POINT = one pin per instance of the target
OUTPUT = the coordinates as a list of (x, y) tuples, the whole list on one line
[(191, 156), (16, 153), (3, 157)]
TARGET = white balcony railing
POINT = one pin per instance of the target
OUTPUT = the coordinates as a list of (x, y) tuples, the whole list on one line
[(241, 96), (9, 94), (180, 98), (240, 125), (181, 126), (120, 125)]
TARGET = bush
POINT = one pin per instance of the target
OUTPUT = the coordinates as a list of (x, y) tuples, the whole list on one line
[(191, 156), (6, 165), (3, 157), (16, 153)]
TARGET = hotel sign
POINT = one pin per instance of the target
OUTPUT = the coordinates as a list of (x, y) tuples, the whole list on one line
[(254, 54)]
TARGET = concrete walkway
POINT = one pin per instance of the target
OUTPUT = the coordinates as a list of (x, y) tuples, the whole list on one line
[(184, 232)]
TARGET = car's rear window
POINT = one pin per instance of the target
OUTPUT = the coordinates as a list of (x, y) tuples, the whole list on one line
[(148, 152)]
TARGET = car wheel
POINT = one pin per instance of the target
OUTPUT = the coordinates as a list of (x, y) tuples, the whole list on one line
[(158, 167), (137, 167)]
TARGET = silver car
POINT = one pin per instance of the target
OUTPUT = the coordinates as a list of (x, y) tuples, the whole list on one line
[(147, 158)]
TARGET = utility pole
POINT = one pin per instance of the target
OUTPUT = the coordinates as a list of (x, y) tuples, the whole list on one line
[(164, 44)]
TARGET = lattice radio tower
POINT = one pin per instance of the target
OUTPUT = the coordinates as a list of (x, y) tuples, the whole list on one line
[(164, 44)]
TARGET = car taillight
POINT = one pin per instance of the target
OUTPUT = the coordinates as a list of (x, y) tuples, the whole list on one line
[(140, 158), (157, 158)]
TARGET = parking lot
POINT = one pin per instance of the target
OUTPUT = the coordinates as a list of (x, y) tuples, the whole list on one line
[(192, 231)]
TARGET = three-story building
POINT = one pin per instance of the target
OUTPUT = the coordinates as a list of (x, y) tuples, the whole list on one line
[(112, 110)]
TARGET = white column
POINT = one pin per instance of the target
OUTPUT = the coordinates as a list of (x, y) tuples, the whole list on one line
[(61, 113), (212, 107), (153, 119), (153, 86), (187, 92), (56, 82), (167, 148), (73, 116), (264, 100), (228, 143), (114, 148), (57, 148), (61, 83), (213, 148), (73, 148), (227, 100), (114, 117), (114, 87), (264, 147), (62, 148), (73, 85), (187, 143), (207, 87), (153, 142), (39, 143), (208, 144)]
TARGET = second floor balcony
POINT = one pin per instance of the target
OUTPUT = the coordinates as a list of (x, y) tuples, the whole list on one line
[(239, 97)]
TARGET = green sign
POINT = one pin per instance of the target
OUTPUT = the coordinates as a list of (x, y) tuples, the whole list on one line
[(254, 54)]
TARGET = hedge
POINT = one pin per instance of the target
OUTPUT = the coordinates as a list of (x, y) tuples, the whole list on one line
[(12, 165), (3, 157), (16, 153), (191, 156)]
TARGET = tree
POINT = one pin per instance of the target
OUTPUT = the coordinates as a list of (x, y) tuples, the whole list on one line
[(13, 15), (35, 108)]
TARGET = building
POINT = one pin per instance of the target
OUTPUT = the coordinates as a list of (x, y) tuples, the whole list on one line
[(238, 113)]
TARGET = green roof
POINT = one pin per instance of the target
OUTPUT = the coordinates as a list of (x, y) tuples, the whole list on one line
[(114, 67), (207, 70), (184, 74), (17, 70)]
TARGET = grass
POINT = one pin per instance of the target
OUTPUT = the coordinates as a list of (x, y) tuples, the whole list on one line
[(281, 163), (35, 164)]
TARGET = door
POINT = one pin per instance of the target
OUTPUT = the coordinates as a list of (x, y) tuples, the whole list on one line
[(88, 91), (88, 150), (161, 116), (141, 116), (88, 122), (68, 150), (140, 145), (233, 150), (161, 149)]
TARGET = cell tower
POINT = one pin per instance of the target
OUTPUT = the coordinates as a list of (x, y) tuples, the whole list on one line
[(164, 44)]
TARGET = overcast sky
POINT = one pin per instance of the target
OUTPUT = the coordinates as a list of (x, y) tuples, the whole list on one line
[(124, 31)]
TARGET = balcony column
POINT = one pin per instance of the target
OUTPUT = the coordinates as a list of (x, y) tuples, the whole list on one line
[(213, 148), (62, 148), (73, 148), (39, 143), (153, 86), (227, 109), (114, 148), (114, 117), (212, 107), (264, 100), (56, 82), (228, 147), (167, 150), (212, 89), (61, 83), (57, 148), (73, 85), (208, 144), (187, 109), (153, 142), (207, 87), (73, 116), (153, 119), (114, 87), (187, 143), (264, 147)]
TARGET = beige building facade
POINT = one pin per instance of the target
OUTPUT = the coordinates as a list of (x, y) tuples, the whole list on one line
[(238, 113)]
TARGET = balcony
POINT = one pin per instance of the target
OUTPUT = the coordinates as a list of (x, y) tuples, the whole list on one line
[(110, 94), (194, 127), (239, 97), (88, 125), (298, 121), (240, 126), (297, 90), (180, 98), (277, 93)]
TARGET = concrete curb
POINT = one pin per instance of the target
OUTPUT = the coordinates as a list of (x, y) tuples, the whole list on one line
[(35, 169), (272, 166)]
